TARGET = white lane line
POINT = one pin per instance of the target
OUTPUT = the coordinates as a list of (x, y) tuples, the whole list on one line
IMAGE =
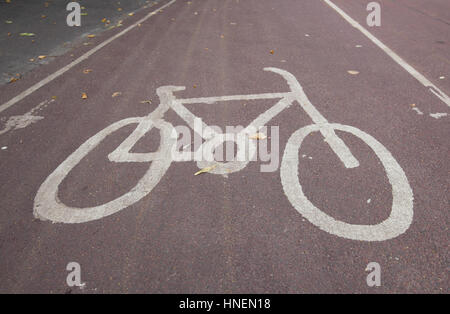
[(63, 70), (422, 79)]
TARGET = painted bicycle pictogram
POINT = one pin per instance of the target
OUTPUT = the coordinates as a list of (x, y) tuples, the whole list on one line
[(47, 204)]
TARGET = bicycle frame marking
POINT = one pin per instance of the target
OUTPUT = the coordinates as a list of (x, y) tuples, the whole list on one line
[(48, 206)]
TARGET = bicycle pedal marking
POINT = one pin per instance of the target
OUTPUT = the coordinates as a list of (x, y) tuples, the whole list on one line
[(47, 205)]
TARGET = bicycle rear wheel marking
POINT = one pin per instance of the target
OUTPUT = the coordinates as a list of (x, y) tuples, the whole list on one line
[(401, 214), (47, 205)]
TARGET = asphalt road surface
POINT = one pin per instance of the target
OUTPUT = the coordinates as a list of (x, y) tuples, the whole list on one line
[(367, 181)]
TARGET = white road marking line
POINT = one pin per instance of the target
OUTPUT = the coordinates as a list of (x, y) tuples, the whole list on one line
[(422, 79), (63, 70), (22, 121), (438, 115)]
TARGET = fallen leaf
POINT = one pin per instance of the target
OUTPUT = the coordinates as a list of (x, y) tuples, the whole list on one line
[(42, 57), (84, 96), (87, 71), (43, 16), (272, 52), (32, 59), (53, 97), (13, 79), (90, 36), (116, 94), (130, 14), (8, 22), (84, 14), (353, 72), (9, 33), (195, 86), (204, 170), (26, 34), (413, 105), (119, 9), (258, 136), (146, 102), (103, 20)]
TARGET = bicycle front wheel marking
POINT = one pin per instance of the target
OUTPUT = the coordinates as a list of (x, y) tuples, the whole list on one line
[(401, 214)]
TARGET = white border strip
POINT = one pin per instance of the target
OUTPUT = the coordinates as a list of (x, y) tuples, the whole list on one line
[(63, 70), (422, 79)]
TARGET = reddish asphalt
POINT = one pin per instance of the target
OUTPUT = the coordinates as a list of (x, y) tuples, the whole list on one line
[(240, 234)]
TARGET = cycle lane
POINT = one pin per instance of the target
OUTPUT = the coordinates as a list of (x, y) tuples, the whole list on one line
[(211, 234)]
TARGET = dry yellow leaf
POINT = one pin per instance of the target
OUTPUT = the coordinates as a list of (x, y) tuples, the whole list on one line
[(258, 136), (204, 170), (146, 102), (90, 36), (116, 94), (42, 57), (130, 14), (86, 71), (103, 20), (353, 72), (272, 52), (84, 96)]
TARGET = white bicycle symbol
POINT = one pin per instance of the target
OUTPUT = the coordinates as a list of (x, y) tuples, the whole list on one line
[(48, 206)]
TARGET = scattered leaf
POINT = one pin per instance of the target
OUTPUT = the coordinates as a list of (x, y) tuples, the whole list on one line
[(87, 71), (26, 34), (119, 9), (272, 52), (103, 20), (53, 97), (116, 94), (43, 16), (9, 33), (413, 105), (84, 14), (195, 86), (84, 96), (146, 102), (352, 72), (204, 170), (258, 136), (42, 57), (8, 22), (90, 36), (131, 14)]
